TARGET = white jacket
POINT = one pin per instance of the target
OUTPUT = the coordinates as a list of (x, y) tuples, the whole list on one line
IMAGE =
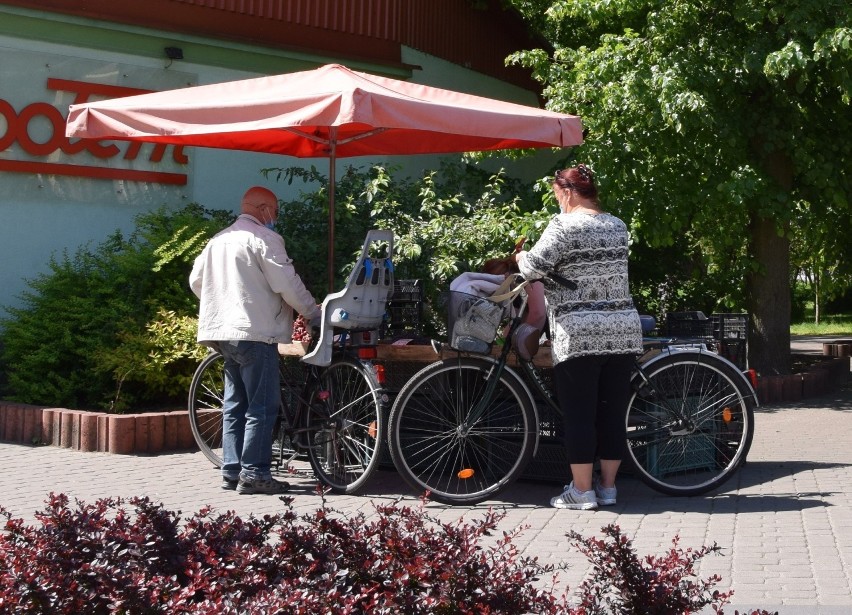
[(247, 286)]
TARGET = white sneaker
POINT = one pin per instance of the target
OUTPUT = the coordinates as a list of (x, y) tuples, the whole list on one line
[(605, 495), (575, 500)]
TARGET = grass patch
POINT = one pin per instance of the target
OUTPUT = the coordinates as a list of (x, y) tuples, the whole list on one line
[(835, 324)]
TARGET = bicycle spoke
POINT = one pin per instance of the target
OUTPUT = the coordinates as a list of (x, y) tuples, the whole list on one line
[(444, 440), (690, 426), (344, 415)]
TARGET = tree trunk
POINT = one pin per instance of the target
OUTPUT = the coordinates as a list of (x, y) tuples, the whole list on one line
[(768, 299)]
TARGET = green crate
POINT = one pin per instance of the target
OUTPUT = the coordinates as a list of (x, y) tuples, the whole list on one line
[(696, 452)]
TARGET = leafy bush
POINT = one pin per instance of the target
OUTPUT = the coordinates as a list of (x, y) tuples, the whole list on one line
[(101, 559), (447, 222), (85, 332)]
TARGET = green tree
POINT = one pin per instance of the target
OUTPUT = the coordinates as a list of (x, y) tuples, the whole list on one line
[(722, 126)]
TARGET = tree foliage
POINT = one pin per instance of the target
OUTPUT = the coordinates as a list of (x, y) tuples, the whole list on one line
[(717, 129)]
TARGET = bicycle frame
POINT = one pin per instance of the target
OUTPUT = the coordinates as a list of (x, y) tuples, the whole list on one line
[(310, 383)]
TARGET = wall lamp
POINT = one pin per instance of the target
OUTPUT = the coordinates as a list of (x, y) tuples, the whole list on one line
[(173, 53)]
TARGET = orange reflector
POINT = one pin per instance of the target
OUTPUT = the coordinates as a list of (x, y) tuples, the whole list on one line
[(727, 415), (372, 429), (367, 352), (380, 373), (466, 473)]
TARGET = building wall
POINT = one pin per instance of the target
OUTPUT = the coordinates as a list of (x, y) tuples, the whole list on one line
[(476, 34), (57, 195)]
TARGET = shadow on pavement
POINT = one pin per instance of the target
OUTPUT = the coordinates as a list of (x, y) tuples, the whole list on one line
[(755, 473)]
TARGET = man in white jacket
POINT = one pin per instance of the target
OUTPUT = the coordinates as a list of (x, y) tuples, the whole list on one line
[(248, 290)]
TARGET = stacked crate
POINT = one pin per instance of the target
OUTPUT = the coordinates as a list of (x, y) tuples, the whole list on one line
[(689, 325), (405, 310), (731, 334), (726, 333)]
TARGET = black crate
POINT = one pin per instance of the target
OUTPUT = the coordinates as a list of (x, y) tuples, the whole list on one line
[(550, 465), (398, 373), (405, 310), (730, 326), (404, 318), (406, 291), (731, 333), (736, 351), (688, 325)]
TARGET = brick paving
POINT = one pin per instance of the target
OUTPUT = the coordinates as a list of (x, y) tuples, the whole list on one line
[(784, 522)]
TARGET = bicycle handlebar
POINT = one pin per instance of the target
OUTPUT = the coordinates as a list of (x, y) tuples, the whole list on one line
[(562, 281)]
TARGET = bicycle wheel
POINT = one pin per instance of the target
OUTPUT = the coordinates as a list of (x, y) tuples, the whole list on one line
[(690, 425), (284, 448), (346, 426), (442, 443), (206, 392)]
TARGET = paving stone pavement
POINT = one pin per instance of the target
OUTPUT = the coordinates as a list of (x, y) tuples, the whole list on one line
[(784, 522)]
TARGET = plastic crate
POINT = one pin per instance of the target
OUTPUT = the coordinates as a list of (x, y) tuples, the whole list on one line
[(405, 310), (406, 291), (731, 333), (405, 319), (736, 351), (692, 453), (550, 464), (730, 326), (688, 325)]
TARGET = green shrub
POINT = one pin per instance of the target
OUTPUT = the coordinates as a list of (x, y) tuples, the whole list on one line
[(84, 335)]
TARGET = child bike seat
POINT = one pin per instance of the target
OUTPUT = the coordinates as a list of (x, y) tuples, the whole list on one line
[(362, 304)]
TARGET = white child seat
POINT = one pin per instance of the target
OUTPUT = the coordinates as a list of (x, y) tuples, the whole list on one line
[(362, 304)]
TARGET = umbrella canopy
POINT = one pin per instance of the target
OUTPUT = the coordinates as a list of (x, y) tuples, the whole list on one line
[(331, 112)]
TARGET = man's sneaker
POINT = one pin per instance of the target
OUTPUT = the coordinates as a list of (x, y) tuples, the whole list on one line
[(266, 486), (606, 495), (575, 500), (229, 483)]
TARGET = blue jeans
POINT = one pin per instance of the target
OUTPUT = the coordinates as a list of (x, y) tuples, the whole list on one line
[(250, 408)]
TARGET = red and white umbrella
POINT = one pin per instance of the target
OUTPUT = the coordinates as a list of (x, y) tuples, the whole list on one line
[(331, 112)]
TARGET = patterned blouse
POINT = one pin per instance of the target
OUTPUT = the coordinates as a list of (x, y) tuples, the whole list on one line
[(598, 318)]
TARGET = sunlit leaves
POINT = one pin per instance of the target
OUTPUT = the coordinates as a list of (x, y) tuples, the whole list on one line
[(702, 114)]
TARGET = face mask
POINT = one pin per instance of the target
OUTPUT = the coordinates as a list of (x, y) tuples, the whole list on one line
[(270, 225)]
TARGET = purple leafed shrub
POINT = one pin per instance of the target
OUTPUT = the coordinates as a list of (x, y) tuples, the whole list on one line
[(622, 583), (100, 558)]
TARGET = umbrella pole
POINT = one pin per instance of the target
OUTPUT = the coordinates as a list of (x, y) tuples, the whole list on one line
[(331, 180)]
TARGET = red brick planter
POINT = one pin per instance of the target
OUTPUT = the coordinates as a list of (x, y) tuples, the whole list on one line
[(837, 348), (820, 379), (122, 434)]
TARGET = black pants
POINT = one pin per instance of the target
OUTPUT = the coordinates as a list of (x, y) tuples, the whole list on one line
[(593, 393)]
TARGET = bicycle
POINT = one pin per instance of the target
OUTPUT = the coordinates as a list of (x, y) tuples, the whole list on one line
[(332, 400), (464, 427)]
